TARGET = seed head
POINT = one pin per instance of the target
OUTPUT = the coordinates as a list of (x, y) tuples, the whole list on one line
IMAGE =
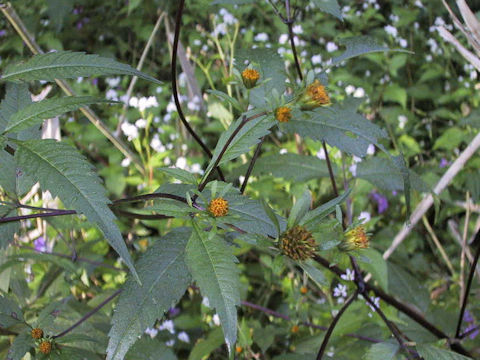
[(250, 77), (37, 333), (283, 114), (297, 243), (355, 238), (218, 207), (314, 96), (45, 347)]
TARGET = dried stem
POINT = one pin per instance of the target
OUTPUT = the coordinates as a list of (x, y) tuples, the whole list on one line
[(289, 21), (251, 165)]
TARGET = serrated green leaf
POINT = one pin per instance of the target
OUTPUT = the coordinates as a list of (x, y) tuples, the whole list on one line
[(248, 136), (376, 265), (180, 174), (57, 11), (339, 125), (72, 353), (299, 209), (288, 166), (329, 6), (314, 273), (316, 215), (68, 65), (430, 352), (359, 45), (62, 170), (381, 351), (407, 287), (170, 207), (212, 266), (35, 113), (225, 97), (385, 175), (10, 313), (22, 343), (165, 277)]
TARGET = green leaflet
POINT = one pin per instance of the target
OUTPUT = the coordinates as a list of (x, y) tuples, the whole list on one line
[(213, 268), (314, 216), (150, 349), (299, 209), (289, 166), (22, 343), (164, 277), (247, 137), (203, 348), (430, 352), (68, 65), (180, 174), (381, 351), (360, 45), (170, 207), (35, 113), (329, 6), (63, 171), (373, 262), (339, 125), (10, 313)]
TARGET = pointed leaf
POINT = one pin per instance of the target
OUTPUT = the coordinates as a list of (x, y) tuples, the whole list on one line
[(329, 6), (64, 172), (180, 174), (213, 268), (299, 209), (35, 113), (150, 349), (68, 65), (165, 277), (430, 352), (10, 313), (170, 207), (316, 215), (381, 351), (22, 343)]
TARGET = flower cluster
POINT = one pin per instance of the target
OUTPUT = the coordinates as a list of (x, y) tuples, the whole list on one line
[(354, 239), (298, 243), (218, 207)]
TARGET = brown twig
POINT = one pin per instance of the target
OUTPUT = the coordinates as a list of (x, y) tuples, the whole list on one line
[(251, 165)]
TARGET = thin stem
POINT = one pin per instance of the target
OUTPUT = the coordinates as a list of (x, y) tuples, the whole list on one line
[(330, 169), (89, 314), (251, 165), (337, 317), (289, 22), (149, 197), (469, 284), (36, 216), (178, 23)]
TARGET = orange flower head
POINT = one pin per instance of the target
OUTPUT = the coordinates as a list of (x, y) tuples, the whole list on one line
[(294, 329), (238, 349), (37, 333), (297, 243), (355, 238), (315, 96), (250, 77), (303, 290), (45, 347), (283, 114), (218, 207)]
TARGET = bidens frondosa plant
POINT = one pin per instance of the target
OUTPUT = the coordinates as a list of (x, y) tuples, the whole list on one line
[(218, 207), (355, 239), (250, 77), (283, 114), (314, 96), (297, 243), (37, 333), (45, 347)]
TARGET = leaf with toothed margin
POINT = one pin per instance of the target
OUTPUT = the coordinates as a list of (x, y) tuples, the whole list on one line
[(329, 6), (165, 278), (212, 266)]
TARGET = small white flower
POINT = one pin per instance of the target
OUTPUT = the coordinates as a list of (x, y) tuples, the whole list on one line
[(133, 102), (297, 29), (216, 319), (340, 291), (371, 149), (376, 301), (111, 95), (418, 3), (205, 302), (391, 30), (261, 37), (316, 59), (167, 325), (129, 130), (283, 151), (170, 343), (196, 169), (125, 162), (402, 120), (353, 169), (350, 89), (181, 163), (113, 82), (141, 123), (220, 29), (331, 46), (359, 93), (403, 43), (156, 144), (171, 107), (321, 154), (283, 39), (152, 332), (183, 336), (364, 217), (349, 275)]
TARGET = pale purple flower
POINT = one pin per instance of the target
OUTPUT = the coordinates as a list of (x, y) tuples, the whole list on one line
[(40, 244), (470, 321), (443, 163), (173, 311), (382, 201), (3, 33)]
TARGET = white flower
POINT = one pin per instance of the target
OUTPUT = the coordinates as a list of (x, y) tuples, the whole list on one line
[(156, 144), (353, 169), (350, 89), (418, 3), (205, 302), (261, 37), (113, 82), (283, 38), (220, 29), (403, 42), (170, 343), (376, 301), (321, 154), (183, 336), (371, 149), (216, 319), (129, 130), (141, 123), (125, 162), (181, 163), (111, 95), (133, 102), (159, 90), (340, 291), (402, 120), (364, 217), (331, 46), (152, 332), (316, 59), (196, 169), (359, 93), (168, 325), (349, 275), (171, 107), (391, 30), (297, 29), (283, 151)]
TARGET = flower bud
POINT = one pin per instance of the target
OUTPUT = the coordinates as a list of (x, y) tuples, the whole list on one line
[(283, 114), (37, 333), (315, 95), (250, 77), (218, 207), (297, 243), (354, 239), (45, 347)]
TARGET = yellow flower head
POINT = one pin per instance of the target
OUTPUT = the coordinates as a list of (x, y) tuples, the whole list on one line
[(297, 243), (355, 238), (218, 207), (303, 290), (45, 347), (250, 77), (294, 329), (283, 114), (238, 349), (314, 96), (37, 333)]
